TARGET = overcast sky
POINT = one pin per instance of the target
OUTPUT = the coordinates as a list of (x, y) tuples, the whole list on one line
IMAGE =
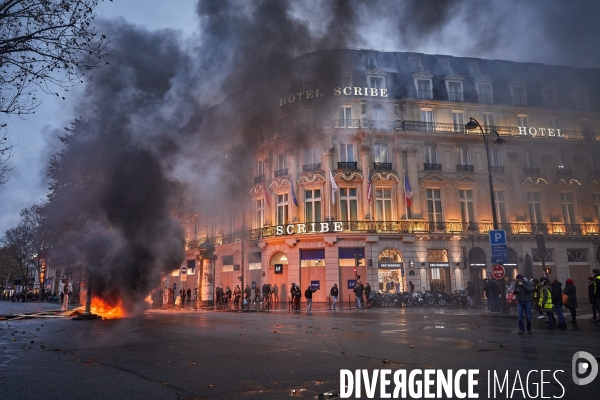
[(552, 32)]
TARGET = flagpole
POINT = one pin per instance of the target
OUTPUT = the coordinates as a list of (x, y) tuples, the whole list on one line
[(330, 191), (405, 197), (371, 189)]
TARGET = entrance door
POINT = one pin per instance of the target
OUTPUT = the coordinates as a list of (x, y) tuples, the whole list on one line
[(579, 274), (281, 281), (347, 274)]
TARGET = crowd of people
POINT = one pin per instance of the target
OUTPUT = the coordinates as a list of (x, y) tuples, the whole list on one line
[(548, 297)]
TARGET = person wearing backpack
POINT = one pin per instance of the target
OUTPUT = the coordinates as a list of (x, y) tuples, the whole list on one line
[(557, 302)]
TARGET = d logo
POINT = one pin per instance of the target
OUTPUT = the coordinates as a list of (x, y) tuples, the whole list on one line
[(579, 367)]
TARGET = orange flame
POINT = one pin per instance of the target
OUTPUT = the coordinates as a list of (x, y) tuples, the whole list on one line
[(106, 310)]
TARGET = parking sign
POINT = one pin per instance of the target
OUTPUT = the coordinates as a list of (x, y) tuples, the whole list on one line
[(497, 237)]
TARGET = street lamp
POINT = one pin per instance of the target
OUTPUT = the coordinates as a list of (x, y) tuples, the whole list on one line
[(472, 125)]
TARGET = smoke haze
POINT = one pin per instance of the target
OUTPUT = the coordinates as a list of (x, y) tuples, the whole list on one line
[(144, 115)]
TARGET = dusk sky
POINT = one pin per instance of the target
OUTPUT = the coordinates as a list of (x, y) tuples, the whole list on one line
[(551, 32)]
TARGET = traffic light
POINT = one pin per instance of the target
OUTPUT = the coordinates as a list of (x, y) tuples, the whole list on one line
[(548, 271), (357, 259)]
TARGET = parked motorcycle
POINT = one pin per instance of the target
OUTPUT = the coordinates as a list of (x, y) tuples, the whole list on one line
[(458, 298), (441, 297)]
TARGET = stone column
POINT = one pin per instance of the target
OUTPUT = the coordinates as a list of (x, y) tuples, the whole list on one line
[(365, 152), (413, 178), (269, 212), (327, 165), (292, 177), (399, 167)]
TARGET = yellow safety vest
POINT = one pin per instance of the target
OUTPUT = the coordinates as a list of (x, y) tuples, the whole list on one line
[(547, 304)]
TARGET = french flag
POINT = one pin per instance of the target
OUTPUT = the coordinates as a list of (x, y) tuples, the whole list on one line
[(407, 191)]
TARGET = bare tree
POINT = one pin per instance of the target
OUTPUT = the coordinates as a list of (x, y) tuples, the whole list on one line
[(16, 244), (45, 44), (5, 154)]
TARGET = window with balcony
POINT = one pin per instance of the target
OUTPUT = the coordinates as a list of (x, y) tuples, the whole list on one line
[(260, 168), (568, 208), (458, 119), (347, 152), (581, 99), (378, 113), (467, 206), (496, 161), (345, 118), (484, 93), (530, 159), (500, 198), (348, 204), (562, 162), (550, 97), (523, 123), (282, 209), (312, 205), (282, 169), (230, 225), (381, 153), (519, 95), (434, 205), (312, 159), (455, 92), (554, 123), (427, 119), (383, 204), (424, 90), (463, 159), (259, 213), (431, 158), (534, 201)]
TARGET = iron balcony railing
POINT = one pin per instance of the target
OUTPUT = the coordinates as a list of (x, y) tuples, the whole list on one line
[(485, 98), (531, 170), (379, 125), (346, 123), (281, 172), (347, 165), (259, 179), (432, 167), (455, 96), (564, 172), (311, 167), (382, 166), (464, 168), (425, 94), (404, 227), (520, 100), (497, 169)]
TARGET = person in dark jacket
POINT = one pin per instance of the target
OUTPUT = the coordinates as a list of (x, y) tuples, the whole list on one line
[(334, 293), (494, 292), (571, 291), (308, 295), (592, 298), (471, 293), (367, 293), (358, 292), (486, 293), (557, 302), (524, 293)]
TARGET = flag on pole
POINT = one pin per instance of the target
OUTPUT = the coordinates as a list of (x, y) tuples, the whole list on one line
[(369, 187), (267, 196), (294, 195), (407, 191), (333, 187)]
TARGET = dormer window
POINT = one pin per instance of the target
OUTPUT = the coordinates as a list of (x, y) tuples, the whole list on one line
[(455, 92), (519, 95), (484, 89), (550, 97), (370, 62), (376, 82), (424, 89), (445, 64), (415, 64), (581, 99)]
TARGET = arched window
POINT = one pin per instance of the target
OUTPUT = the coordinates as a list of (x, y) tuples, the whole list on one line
[(390, 255)]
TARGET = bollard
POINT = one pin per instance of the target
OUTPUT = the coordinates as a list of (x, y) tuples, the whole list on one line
[(349, 304)]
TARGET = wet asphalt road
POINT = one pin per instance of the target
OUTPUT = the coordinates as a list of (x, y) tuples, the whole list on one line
[(169, 354)]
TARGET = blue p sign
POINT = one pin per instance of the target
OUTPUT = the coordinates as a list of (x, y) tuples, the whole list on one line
[(497, 237)]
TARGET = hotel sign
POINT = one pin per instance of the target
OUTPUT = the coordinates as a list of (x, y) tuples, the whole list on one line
[(540, 132), (312, 227), (337, 91)]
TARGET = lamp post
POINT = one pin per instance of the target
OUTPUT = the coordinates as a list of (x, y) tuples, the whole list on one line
[(472, 125)]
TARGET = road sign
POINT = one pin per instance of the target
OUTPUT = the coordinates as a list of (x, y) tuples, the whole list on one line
[(498, 271), (499, 260), (500, 250), (315, 285), (183, 270), (497, 237)]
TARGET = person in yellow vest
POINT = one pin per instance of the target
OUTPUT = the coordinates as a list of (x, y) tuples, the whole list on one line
[(545, 302)]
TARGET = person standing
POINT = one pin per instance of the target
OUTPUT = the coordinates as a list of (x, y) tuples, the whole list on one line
[(334, 293), (571, 292), (557, 302), (524, 293), (368, 293), (358, 292), (308, 294), (471, 293), (592, 298), (256, 294), (189, 296), (237, 293), (297, 297), (546, 302), (596, 289), (247, 295), (535, 283), (494, 292), (65, 303), (411, 287)]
